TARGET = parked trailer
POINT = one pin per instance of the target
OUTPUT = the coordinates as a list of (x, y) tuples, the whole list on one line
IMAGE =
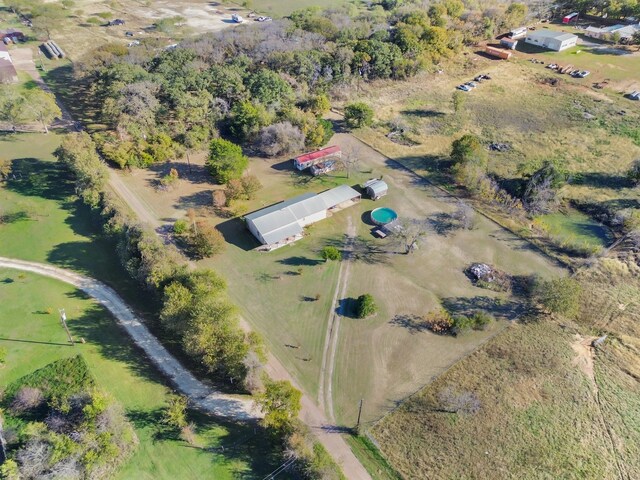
[(496, 52), (509, 43), (48, 51), (53, 48), (61, 54)]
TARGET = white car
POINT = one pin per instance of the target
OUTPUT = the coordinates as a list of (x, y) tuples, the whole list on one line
[(464, 88), (264, 19)]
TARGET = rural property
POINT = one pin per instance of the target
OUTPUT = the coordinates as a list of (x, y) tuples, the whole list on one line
[(323, 240)]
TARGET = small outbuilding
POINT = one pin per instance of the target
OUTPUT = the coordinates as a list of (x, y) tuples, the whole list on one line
[(376, 188), (551, 39)]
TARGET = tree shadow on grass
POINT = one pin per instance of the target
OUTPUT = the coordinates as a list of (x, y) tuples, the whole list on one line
[(347, 307), (241, 442), (37, 178), (423, 113), (499, 308), (413, 323), (602, 180), (98, 327), (195, 200), (442, 223), (365, 250), (300, 261)]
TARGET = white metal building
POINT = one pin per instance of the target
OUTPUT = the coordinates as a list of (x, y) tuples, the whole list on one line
[(551, 39), (283, 223)]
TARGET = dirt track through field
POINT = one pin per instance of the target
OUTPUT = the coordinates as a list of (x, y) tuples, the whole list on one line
[(325, 389), (200, 395)]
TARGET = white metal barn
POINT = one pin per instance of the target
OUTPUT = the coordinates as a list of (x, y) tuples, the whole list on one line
[(551, 39), (283, 223)]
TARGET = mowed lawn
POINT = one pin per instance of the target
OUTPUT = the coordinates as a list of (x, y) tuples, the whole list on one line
[(379, 359), (32, 335), (44, 223)]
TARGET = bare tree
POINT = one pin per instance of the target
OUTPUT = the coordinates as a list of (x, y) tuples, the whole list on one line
[(350, 158), (27, 398), (464, 215), (280, 139), (453, 401), (540, 197), (33, 458), (410, 232)]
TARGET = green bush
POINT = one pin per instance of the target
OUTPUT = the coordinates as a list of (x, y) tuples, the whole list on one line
[(180, 227), (481, 320), (331, 253), (477, 321), (561, 296), (358, 114), (366, 306)]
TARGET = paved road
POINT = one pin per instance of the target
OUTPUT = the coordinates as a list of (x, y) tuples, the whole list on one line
[(200, 395)]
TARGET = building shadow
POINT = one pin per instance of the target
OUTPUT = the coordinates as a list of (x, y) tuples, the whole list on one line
[(236, 233)]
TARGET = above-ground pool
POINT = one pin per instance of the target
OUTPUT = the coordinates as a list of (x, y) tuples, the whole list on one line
[(383, 215)]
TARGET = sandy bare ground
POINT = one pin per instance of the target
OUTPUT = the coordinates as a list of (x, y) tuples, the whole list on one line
[(201, 396)]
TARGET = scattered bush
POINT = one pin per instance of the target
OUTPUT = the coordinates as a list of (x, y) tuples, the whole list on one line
[(561, 295), (205, 240), (358, 115), (439, 321), (331, 253), (478, 321), (366, 306), (27, 398), (180, 227)]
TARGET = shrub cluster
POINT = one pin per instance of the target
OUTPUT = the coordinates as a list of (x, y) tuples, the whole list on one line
[(65, 427), (366, 306)]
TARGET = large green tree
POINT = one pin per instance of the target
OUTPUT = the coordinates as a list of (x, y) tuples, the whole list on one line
[(226, 160), (281, 403)]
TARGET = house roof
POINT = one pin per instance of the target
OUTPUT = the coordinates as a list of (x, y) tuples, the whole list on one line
[(8, 72), (323, 152), (280, 221), (542, 34)]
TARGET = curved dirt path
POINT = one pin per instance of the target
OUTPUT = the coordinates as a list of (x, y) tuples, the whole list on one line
[(200, 395)]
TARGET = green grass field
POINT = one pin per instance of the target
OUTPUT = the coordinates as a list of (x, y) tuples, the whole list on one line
[(44, 223), (33, 337)]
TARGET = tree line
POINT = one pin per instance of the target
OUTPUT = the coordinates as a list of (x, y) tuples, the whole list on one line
[(267, 86)]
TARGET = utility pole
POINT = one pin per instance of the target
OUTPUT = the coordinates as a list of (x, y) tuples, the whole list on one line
[(359, 413), (63, 320)]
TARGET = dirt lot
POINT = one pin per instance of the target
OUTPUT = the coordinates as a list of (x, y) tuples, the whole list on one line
[(85, 30)]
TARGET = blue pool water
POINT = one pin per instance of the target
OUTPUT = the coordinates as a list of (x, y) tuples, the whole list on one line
[(383, 215)]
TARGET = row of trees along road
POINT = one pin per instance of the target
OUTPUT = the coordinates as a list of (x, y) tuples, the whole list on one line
[(197, 312)]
